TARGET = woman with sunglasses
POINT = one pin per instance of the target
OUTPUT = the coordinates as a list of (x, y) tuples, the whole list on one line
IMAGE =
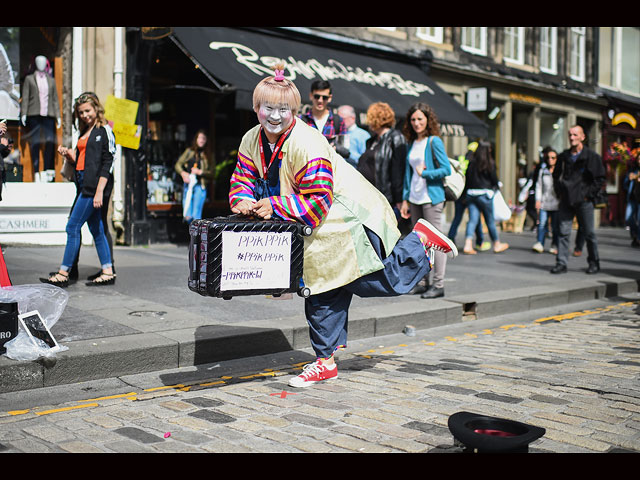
[(93, 159)]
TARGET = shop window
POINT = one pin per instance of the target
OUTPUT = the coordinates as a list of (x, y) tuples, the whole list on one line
[(514, 45), (474, 40), (552, 131), (548, 49), (577, 53)]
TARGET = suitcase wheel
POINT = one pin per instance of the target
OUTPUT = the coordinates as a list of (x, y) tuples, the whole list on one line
[(307, 230), (226, 298), (304, 292)]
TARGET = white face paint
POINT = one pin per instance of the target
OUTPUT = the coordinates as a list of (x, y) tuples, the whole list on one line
[(275, 119)]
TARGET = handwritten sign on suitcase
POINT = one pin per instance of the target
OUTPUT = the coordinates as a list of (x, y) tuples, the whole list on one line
[(255, 260)]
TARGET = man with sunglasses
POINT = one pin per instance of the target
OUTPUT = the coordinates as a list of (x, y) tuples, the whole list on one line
[(321, 117)]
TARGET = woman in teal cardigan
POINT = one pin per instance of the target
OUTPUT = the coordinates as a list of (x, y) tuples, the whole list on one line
[(423, 192)]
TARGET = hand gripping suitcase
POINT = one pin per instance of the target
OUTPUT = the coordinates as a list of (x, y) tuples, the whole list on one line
[(240, 255)]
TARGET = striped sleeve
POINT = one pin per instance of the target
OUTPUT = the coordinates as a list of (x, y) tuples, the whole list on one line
[(242, 180), (314, 196)]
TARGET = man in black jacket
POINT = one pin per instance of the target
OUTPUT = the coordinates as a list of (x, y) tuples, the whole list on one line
[(578, 176)]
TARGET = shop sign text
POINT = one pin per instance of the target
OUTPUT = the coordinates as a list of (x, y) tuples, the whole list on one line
[(312, 68)]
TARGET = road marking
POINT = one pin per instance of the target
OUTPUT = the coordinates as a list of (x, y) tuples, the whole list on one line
[(66, 409)]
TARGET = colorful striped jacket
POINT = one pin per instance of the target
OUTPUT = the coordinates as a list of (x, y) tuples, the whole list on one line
[(319, 188)]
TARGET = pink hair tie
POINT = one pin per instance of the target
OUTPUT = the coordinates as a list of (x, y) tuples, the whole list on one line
[(279, 75)]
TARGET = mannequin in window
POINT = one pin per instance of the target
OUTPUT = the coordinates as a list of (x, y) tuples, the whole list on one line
[(40, 113)]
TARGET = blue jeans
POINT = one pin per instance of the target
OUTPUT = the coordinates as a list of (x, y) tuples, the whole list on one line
[(327, 313), (459, 207), (481, 204), (632, 218), (543, 226), (84, 212), (198, 197)]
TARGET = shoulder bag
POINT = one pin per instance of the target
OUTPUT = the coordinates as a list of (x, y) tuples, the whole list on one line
[(453, 184)]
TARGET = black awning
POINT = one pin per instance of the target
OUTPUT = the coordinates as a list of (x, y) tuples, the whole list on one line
[(239, 58)]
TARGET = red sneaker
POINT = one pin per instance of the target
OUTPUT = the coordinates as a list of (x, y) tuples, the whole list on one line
[(432, 238), (312, 373)]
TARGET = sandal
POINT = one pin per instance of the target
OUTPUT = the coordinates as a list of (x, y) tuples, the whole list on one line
[(500, 248), (102, 279), (469, 251), (57, 279)]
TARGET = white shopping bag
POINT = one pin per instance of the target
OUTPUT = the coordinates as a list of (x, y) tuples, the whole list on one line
[(501, 211)]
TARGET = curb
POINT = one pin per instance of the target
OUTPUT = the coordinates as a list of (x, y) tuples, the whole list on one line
[(116, 356)]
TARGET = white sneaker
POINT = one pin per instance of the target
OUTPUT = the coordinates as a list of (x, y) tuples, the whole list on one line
[(537, 247)]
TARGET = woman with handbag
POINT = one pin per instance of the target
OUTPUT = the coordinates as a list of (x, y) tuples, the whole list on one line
[(482, 184), (93, 158), (423, 194), (193, 167)]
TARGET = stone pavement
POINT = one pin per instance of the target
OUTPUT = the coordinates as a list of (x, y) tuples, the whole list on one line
[(150, 321), (572, 371)]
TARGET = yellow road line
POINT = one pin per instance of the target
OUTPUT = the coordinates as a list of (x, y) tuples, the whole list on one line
[(66, 409)]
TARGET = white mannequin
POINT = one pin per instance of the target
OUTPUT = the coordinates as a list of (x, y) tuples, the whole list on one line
[(41, 89), (41, 64)]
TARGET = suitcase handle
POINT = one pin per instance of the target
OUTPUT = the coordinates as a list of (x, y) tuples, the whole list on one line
[(305, 230)]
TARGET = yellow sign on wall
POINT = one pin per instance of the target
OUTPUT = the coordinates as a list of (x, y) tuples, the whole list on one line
[(127, 135), (121, 114)]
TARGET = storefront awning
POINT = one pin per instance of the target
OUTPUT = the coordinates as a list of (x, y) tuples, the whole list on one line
[(237, 59)]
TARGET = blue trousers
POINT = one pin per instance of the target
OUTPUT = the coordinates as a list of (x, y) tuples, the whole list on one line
[(198, 197), (327, 313), (481, 204), (84, 212), (543, 226), (459, 207)]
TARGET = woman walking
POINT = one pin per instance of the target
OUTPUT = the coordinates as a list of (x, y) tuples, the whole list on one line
[(93, 159), (547, 202), (482, 183)]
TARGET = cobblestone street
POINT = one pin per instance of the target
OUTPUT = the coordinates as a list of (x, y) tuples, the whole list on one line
[(573, 373)]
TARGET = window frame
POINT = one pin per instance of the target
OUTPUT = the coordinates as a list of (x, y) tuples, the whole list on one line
[(437, 37), (551, 47), (577, 52), (482, 49), (517, 35)]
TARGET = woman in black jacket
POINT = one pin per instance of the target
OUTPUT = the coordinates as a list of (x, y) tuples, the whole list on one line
[(93, 159), (481, 185), (383, 161)]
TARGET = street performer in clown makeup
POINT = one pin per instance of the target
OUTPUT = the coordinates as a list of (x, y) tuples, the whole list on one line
[(286, 169)]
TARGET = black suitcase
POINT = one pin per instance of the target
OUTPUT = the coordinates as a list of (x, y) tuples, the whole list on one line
[(240, 255)]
